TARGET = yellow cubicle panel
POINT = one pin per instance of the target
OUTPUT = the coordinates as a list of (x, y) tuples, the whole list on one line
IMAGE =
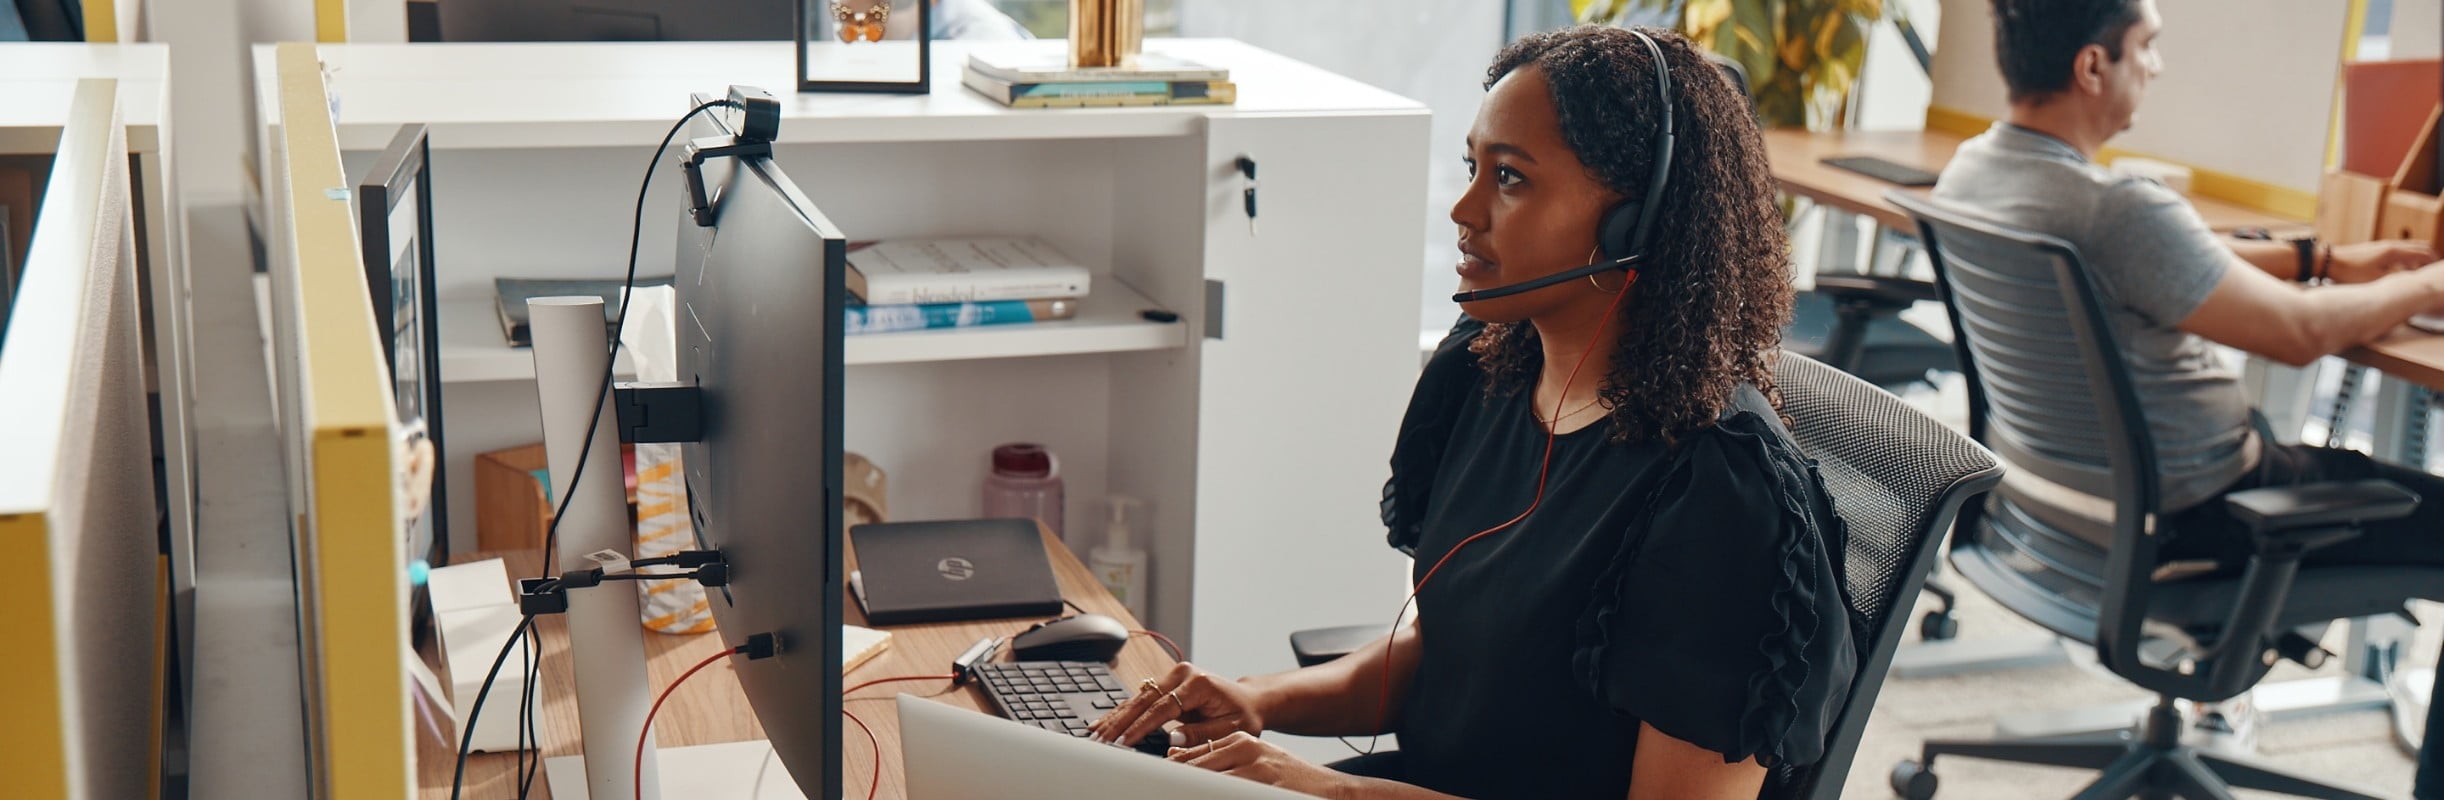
[(351, 547), (113, 21), (80, 688)]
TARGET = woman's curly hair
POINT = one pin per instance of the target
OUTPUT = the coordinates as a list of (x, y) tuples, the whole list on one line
[(1715, 292)]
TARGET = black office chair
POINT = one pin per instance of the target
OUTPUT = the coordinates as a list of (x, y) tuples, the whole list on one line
[(2021, 304), (1897, 478), (1853, 323)]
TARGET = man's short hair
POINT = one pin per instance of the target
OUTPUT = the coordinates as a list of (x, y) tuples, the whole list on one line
[(2036, 41)]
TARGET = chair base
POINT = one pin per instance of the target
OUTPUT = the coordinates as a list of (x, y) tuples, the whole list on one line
[(2149, 762), (2276, 702)]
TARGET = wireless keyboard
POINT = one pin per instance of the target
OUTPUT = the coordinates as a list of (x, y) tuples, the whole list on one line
[(1883, 170)]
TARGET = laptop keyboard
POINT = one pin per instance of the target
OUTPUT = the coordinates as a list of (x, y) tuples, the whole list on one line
[(1061, 696)]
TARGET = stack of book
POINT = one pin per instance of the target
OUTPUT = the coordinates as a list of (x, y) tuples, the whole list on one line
[(510, 296), (917, 284), (1038, 75)]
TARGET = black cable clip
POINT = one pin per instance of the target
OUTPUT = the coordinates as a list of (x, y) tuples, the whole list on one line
[(540, 596)]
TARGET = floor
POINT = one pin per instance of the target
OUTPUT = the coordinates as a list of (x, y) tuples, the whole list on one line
[(2357, 747), (2348, 746)]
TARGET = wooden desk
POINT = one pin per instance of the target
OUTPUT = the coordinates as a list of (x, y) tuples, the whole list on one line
[(710, 709), (2409, 354), (1796, 157)]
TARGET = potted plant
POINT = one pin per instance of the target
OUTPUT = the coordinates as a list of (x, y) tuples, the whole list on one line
[(1802, 56)]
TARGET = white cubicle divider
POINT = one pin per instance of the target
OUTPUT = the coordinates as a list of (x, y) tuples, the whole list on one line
[(2264, 66), (84, 672), (339, 429), (1258, 425), (39, 79)]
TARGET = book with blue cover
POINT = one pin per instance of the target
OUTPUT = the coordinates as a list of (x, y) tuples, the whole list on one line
[(921, 316)]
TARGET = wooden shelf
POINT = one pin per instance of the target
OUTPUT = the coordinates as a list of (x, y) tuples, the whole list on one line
[(1108, 321)]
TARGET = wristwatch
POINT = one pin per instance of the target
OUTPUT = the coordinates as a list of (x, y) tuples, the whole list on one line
[(2306, 247)]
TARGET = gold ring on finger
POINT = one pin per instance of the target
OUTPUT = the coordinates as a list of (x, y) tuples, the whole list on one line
[(1175, 700), (1148, 686)]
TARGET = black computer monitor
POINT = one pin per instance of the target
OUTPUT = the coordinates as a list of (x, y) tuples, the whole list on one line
[(616, 20), (394, 220), (759, 296)]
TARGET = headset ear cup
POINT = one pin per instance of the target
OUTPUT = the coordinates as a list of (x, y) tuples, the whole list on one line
[(1620, 226)]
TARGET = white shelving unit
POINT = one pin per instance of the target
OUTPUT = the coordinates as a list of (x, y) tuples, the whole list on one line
[(1108, 321), (1260, 437)]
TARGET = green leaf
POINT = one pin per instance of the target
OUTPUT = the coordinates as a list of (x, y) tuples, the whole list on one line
[(1803, 57)]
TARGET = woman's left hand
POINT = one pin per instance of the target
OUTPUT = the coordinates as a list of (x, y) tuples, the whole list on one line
[(1255, 759)]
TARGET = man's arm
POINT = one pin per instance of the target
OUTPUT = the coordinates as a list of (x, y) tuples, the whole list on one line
[(2342, 263), (2257, 312), (2278, 259)]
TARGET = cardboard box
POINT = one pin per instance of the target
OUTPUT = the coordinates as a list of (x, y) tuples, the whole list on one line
[(512, 511), (2354, 206), (2349, 205), (2412, 209)]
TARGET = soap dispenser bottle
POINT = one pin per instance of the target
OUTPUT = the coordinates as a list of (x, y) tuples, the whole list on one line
[(1119, 563)]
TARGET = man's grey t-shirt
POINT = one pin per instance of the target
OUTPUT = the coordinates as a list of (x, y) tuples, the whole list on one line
[(2154, 261)]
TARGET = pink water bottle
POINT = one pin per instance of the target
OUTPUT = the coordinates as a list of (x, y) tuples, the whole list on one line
[(1026, 483)]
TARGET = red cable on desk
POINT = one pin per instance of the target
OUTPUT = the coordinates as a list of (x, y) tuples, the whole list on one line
[(880, 681), (1176, 653), (657, 708), (877, 783), (877, 745)]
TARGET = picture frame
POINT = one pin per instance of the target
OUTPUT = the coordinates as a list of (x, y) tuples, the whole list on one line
[(893, 56)]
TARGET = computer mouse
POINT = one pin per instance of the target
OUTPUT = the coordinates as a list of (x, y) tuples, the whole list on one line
[(1085, 637)]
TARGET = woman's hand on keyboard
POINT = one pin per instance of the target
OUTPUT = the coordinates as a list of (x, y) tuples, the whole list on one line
[(1207, 706), (1244, 755)]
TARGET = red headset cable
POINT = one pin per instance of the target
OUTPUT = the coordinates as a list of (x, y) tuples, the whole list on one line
[(1383, 700)]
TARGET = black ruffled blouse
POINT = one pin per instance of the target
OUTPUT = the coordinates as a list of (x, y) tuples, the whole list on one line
[(1695, 588)]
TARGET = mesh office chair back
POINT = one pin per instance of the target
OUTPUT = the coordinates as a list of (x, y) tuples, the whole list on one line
[(1898, 479)]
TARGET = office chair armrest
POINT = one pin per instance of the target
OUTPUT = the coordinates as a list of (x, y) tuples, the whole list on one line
[(2287, 522), (1887, 292), (2284, 512), (1318, 645)]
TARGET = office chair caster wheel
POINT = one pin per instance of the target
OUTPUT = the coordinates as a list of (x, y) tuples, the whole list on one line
[(1912, 781), (1937, 626)]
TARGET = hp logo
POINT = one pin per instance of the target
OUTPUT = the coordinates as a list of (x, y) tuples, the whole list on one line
[(955, 568)]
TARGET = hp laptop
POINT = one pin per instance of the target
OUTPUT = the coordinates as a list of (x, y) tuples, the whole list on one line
[(952, 570)]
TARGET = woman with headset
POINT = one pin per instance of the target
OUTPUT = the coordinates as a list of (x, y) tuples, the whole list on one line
[(1628, 578)]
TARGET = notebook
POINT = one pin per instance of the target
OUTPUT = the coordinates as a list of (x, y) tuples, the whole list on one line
[(950, 570), (859, 645)]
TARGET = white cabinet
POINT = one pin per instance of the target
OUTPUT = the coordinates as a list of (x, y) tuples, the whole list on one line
[(1262, 452)]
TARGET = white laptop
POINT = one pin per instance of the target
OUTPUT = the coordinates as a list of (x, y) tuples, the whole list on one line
[(957, 754)]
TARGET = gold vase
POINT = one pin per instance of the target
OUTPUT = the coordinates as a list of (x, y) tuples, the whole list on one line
[(1106, 33)]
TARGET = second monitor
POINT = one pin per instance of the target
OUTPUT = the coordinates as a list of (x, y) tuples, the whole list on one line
[(759, 295)]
